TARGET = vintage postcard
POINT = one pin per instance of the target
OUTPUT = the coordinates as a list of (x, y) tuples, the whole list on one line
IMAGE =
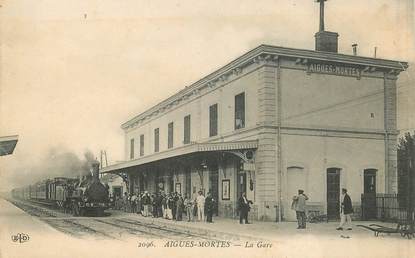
[(274, 128)]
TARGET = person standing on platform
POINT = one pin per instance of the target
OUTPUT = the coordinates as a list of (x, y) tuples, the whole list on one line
[(174, 207), (179, 208), (164, 205), (200, 201), (159, 205), (346, 209), (125, 201), (146, 204), (138, 201), (133, 203), (170, 202), (244, 208), (189, 206), (209, 204), (299, 205)]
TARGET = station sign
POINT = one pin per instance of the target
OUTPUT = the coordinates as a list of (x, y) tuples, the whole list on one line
[(333, 69), (249, 166)]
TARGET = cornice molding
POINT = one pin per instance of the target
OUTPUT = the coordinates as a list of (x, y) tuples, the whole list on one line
[(260, 56)]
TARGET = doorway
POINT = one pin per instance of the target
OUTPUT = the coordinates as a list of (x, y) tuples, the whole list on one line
[(213, 186), (369, 196), (369, 181), (188, 182), (240, 180), (333, 193), (117, 192)]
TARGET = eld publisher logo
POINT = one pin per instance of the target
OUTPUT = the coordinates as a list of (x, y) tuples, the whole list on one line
[(20, 238)]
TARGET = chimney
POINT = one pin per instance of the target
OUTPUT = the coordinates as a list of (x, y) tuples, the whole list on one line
[(354, 49), (95, 170), (325, 40)]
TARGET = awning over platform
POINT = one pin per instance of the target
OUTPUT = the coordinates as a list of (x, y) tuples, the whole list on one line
[(7, 144), (184, 150)]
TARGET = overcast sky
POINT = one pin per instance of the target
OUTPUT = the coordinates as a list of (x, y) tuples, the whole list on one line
[(73, 71)]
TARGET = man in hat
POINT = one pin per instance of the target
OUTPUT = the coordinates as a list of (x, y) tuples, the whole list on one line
[(346, 210), (299, 205), (200, 201), (209, 206), (146, 203), (244, 208)]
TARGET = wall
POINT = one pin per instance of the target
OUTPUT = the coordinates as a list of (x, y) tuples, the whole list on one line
[(329, 101), (199, 111), (315, 154)]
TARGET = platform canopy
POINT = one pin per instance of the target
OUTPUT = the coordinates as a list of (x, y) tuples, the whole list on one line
[(184, 150), (7, 144)]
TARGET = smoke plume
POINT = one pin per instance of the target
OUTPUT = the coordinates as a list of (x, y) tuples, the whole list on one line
[(58, 162)]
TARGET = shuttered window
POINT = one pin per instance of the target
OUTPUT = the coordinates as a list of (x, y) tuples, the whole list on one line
[(186, 136), (156, 140), (213, 120), (132, 148), (240, 111), (142, 145), (170, 136)]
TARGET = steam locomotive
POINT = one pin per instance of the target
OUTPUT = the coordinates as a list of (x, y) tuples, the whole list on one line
[(70, 194)]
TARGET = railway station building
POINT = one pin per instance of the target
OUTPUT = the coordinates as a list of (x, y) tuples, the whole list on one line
[(270, 122)]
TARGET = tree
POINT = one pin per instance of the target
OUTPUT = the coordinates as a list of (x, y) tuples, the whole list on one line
[(406, 173)]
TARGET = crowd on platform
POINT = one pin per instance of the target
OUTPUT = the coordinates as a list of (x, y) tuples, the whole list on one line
[(170, 206)]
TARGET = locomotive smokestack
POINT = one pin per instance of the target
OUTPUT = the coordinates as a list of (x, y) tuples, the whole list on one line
[(95, 170)]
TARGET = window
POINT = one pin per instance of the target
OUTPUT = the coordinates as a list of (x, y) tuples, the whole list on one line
[(132, 148), (170, 136), (186, 136), (240, 111), (156, 140), (213, 120), (142, 145)]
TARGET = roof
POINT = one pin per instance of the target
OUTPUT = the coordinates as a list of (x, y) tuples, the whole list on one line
[(275, 51), (7, 144), (183, 150)]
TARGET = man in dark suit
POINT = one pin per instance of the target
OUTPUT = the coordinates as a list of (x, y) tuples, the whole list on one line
[(345, 211), (209, 207), (244, 208)]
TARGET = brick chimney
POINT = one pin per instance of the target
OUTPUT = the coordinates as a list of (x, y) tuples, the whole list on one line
[(327, 41)]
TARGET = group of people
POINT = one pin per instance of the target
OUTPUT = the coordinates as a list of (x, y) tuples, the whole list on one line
[(346, 209), (172, 206), (169, 206)]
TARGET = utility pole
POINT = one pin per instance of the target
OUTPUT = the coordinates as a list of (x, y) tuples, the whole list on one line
[(321, 27), (411, 181)]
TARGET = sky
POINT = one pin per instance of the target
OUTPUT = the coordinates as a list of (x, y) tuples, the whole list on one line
[(73, 71)]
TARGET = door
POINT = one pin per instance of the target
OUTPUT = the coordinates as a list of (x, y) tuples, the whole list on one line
[(213, 187), (188, 181), (241, 188), (333, 193), (117, 192), (369, 196)]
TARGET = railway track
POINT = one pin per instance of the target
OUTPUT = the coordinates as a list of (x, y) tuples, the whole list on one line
[(106, 227), (168, 231)]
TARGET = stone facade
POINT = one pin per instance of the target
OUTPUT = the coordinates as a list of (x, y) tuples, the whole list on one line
[(307, 115)]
